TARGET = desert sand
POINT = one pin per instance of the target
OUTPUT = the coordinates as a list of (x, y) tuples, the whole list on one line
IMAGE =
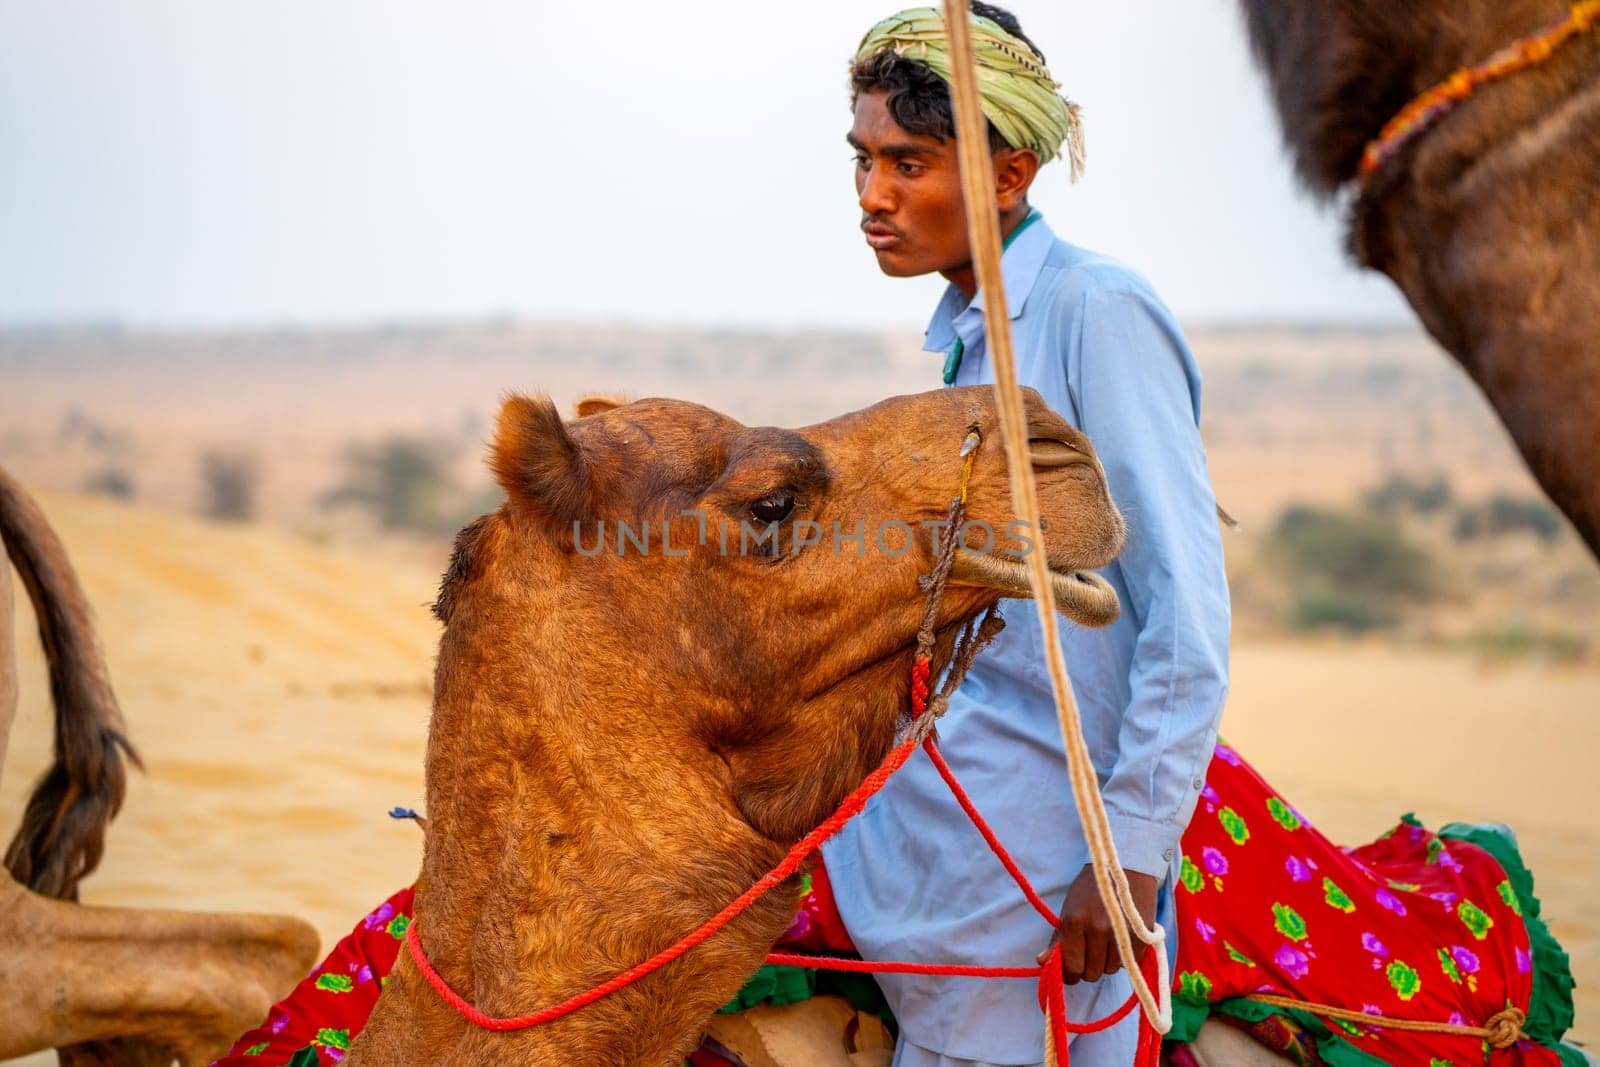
[(279, 692)]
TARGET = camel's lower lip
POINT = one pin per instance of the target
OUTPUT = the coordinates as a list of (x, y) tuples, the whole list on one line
[(1082, 596)]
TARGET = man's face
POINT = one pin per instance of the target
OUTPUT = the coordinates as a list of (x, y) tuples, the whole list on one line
[(910, 190)]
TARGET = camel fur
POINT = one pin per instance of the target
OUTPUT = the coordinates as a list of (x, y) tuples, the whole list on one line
[(623, 742), (1489, 222)]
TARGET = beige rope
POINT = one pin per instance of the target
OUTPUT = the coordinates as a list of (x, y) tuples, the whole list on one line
[(983, 226), (1502, 1030)]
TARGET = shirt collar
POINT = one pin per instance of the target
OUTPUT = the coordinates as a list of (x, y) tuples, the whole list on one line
[(1020, 267)]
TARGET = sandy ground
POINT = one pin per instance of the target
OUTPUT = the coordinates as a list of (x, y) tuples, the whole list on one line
[(279, 692)]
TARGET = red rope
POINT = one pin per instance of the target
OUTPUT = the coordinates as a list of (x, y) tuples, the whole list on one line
[(921, 670), (848, 808), (842, 963), (1052, 992), (995, 846)]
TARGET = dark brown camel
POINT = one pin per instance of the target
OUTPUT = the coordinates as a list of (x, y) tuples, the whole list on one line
[(105, 985), (623, 741), (1490, 222)]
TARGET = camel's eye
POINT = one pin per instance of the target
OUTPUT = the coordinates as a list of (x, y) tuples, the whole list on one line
[(774, 507)]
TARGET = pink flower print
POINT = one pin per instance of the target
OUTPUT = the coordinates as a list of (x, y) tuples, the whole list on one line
[(1449, 862), (1298, 869), (380, 918), (1227, 755), (1207, 932), (1372, 1009), (1445, 897), (1292, 961), (1457, 1019), (1524, 964), (1371, 943), (800, 926), (1465, 959), (278, 1024), (1215, 862), (364, 974), (1390, 901)]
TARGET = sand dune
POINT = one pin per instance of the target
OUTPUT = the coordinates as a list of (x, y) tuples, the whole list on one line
[(279, 692)]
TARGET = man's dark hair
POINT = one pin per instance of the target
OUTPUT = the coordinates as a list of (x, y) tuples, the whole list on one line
[(918, 99)]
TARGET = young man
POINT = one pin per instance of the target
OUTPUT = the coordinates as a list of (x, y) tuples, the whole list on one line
[(911, 877)]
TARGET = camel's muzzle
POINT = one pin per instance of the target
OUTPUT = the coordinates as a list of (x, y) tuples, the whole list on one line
[(1082, 596)]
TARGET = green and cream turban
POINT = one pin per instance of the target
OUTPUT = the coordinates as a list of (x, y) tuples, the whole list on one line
[(1019, 96)]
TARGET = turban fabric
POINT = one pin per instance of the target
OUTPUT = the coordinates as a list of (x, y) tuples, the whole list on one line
[(1018, 94)]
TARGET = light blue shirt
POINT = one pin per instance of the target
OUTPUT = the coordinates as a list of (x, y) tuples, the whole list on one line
[(913, 878)]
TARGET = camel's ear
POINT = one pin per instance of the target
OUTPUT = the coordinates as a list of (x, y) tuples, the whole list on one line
[(595, 403), (538, 464)]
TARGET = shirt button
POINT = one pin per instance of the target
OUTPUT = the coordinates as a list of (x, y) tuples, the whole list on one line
[(1167, 855), (1199, 783)]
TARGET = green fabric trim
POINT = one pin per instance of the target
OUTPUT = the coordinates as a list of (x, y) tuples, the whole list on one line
[(1550, 1011), (1190, 1013), (306, 1057), (778, 986), (773, 985)]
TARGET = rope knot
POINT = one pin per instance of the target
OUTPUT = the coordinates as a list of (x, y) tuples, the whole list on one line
[(1505, 1028)]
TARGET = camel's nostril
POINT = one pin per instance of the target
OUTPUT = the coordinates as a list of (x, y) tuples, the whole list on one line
[(1049, 452)]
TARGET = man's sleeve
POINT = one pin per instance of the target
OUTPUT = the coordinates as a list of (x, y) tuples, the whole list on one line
[(1138, 392)]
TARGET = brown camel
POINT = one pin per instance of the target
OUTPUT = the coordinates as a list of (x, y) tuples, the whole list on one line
[(105, 985), (623, 741), (1490, 222)]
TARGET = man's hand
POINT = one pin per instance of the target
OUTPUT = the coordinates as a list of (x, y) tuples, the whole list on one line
[(1088, 948)]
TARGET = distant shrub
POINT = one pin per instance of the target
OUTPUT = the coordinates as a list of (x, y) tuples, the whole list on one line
[(1351, 572), (470, 506), (1519, 639), (229, 485), (403, 481), (113, 482), (1506, 514), (1400, 494), (1340, 611)]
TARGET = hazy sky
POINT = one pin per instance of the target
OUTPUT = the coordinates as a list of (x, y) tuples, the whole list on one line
[(221, 163)]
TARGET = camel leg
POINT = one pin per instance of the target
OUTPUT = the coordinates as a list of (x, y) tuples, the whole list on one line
[(8, 661), (145, 986)]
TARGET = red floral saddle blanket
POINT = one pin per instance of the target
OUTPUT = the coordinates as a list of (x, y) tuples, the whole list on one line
[(1442, 928)]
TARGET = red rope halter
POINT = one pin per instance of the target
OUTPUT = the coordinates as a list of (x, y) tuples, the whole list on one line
[(1052, 994), (1052, 991)]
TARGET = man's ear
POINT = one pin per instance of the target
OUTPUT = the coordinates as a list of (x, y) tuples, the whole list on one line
[(595, 403), (1014, 171), (539, 465)]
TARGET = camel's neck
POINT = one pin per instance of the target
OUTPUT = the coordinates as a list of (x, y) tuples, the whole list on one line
[(1340, 69), (557, 858), (584, 814)]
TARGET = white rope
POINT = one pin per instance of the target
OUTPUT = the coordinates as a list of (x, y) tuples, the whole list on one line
[(983, 226)]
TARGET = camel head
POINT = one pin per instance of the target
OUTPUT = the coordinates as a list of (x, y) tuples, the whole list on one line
[(663, 577), (672, 651)]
